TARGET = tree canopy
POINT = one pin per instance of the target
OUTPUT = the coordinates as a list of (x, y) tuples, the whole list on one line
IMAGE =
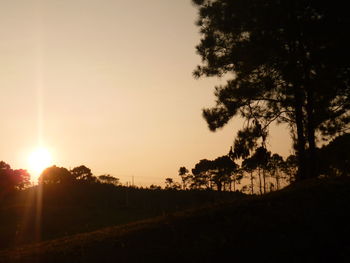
[(287, 62), (217, 172), (12, 179), (82, 173), (56, 175)]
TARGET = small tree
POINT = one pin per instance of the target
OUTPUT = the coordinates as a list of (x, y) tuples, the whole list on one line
[(237, 176), (248, 166), (275, 165), (82, 173), (155, 187), (290, 168), (260, 158), (12, 179), (56, 175), (108, 179), (171, 185), (185, 177), (202, 174), (224, 168)]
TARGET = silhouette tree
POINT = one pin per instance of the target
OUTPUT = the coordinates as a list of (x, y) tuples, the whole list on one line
[(218, 172), (289, 167), (171, 184), (236, 178), (223, 169), (185, 177), (274, 165), (202, 174), (56, 175), (12, 179), (108, 179), (289, 63), (261, 157), (82, 173), (155, 187), (249, 165)]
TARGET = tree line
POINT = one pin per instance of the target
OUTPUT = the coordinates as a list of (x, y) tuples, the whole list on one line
[(19, 179), (61, 175), (263, 171)]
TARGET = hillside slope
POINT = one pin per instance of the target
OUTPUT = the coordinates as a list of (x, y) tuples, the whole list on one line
[(55, 211), (308, 222)]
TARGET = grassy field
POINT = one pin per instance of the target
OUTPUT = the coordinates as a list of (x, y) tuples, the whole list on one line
[(60, 210), (307, 222)]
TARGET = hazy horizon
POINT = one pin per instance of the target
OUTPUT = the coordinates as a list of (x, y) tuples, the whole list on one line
[(108, 85)]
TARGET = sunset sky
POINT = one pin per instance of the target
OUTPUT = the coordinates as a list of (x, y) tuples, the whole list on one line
[(108, 84)]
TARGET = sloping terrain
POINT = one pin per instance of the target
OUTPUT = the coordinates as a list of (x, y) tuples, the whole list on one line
[(55, 211), (308, 222)]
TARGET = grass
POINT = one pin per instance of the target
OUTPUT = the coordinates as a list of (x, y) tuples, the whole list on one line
[(79, 208), (306, 222)]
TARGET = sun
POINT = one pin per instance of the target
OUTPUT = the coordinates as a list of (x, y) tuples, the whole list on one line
[(38, 160)]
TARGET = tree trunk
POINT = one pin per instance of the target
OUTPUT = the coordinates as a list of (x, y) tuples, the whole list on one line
[(252, 182), (264, 178), (260, 186), (277, 178), (300, 147), (277, 181), (312, 169)]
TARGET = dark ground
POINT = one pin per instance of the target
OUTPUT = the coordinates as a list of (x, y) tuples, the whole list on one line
[(307, 222)]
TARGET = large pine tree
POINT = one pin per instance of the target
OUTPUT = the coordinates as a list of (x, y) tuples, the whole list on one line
[(289, 62)]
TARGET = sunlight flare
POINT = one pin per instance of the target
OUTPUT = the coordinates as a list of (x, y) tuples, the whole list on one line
[(38, 160)]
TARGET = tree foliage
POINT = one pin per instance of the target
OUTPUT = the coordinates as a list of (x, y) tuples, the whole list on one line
[(185, 177), (218, 172), (83, 173), (108, 179), (170, 184), (12, 179), (56, 175), (61, 175), (288, 62)]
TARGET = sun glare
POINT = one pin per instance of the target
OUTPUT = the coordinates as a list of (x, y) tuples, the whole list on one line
[(38, 160)]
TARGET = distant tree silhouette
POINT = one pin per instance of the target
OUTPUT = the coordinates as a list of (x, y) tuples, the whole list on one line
[(261, 158), (12, 179), (290, 64), (275, 165), (108, 179), (202, 175), (236, 178), (225, 171), (248, 166), (289, 167), (56, 175), (82, 173), (219, 172), (155, 187), (185, 177), (170, 184)]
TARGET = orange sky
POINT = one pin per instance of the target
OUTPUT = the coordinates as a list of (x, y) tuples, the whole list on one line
[(108, 84)]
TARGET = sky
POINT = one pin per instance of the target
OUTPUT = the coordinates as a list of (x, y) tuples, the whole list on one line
[(108, 84)]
